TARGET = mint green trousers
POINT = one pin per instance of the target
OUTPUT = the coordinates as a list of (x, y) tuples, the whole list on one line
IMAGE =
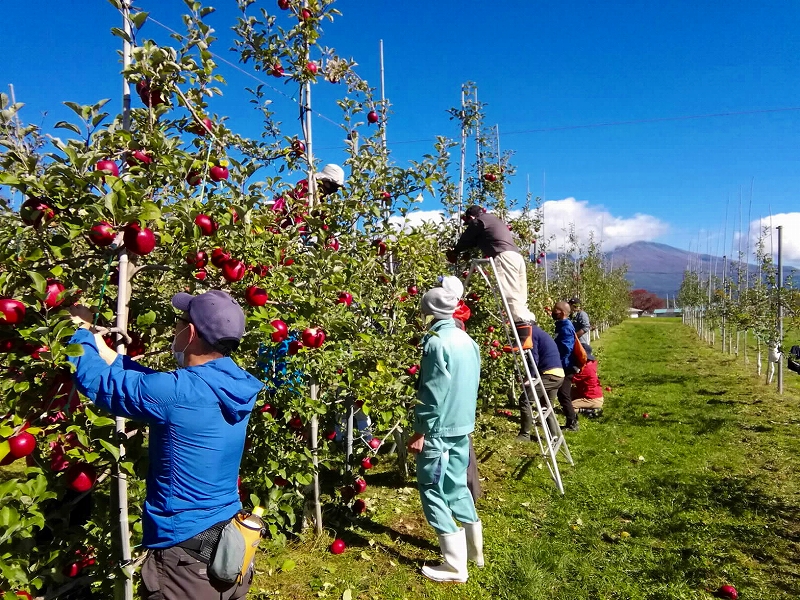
[(442, 482)]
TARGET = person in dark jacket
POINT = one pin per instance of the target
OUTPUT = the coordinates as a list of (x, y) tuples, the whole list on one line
[(547, 360), (197, 418), (565, 340), (580, 321), (488, 233)]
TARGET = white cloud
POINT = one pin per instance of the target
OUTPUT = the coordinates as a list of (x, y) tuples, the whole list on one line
[(790, 237), (416, 218), (611, 230)]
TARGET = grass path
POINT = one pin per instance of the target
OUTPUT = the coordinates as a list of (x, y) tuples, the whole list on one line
[(703, 492)]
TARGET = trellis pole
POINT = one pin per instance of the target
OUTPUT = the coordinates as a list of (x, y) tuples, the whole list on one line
[(123, 296), (780, 305), (305, 118)]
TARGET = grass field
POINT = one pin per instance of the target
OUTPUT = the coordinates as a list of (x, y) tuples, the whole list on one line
[(703, 492)]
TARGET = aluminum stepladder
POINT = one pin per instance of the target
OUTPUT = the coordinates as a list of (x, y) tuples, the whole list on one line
[(548, 432)]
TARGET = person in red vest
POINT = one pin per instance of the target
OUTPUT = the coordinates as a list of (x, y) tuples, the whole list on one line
[(587, 393)]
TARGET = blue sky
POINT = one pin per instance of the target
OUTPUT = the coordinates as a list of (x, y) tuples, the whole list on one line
[(538, 66)]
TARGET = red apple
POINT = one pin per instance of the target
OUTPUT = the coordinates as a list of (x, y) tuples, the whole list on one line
[(11, 311), (21, 445), (333, 244), (305, 14), (256, 296), (495, 344), (206, 224), (283, 4), (233, 270), (109, 167), (380, 247), (269, 408), (494, 354), (338, 546), (348, 493), (194, 178), (474, 297), (260, 270), (148, 95), (53, 290), (201, 274), (80, 477), (202, 128), (296, 423), (281, 331), (541, 254), (345, 298), (331, 435), (645, 415), (313, 337), (219, 257), (139, 240), (359, 507), (35, 352), (294, 347), (298, 147), (412, 290), (538, 261), (102, 234), (312, 67), (412, 370), (386, 197), (608, 388), (366, 463), (727, 591), (359, 485), (490, 177), (138, 158), (198, 259), (277, 70), (279, 481), (374, 443), (7, 345), (372, 117), (24, 594), (35, 210), (218, 173)]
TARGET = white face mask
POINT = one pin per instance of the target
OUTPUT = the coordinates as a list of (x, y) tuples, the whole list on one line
[(180, 355)]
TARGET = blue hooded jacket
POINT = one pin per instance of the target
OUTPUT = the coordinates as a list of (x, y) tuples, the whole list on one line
[(545, 351), (198, 420), (565, 340)]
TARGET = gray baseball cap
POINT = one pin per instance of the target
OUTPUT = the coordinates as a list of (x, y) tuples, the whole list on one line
[(218, 318)]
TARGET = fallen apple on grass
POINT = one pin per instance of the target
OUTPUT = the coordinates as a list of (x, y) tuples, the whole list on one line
[(338, 546)]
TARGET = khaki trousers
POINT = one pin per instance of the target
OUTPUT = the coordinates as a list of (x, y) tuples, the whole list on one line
[(510, 267)]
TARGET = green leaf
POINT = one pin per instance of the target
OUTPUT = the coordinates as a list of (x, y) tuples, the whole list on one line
[(138, 19), (347, 595), (146, 319), (39, 282), (150, 211), (113, 450), (67, 125), (288, 565), (74, 350), (121, 33)]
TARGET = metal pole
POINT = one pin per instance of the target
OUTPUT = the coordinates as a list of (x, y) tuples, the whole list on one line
[(386, 208), (463, 163), (780, 306), (544, 237), (305, 109), (123, 297)]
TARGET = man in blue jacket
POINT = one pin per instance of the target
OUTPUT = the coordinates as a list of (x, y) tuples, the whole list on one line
[(565, 340), (198, 419), (548, 361), (443, 419)]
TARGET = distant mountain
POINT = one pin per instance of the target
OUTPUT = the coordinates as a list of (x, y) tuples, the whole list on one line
[(659, 268)]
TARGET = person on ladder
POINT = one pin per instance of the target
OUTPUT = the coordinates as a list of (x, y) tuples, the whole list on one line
[(492, 236)]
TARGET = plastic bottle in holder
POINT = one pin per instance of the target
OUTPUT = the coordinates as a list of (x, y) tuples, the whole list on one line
[(251, 526)]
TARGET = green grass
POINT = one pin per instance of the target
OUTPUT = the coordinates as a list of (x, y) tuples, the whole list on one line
[(703, 492)]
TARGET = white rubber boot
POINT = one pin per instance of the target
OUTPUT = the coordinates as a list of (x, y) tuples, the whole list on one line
[(454, 551), (474, 533)]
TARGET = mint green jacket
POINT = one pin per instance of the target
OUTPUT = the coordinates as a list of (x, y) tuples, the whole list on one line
[(448, 387)]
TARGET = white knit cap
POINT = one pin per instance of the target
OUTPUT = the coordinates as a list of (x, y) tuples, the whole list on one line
[(332, 173), (453, 285), (440, 303)]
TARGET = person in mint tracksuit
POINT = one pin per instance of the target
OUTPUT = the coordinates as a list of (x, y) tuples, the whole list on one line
[(443, 420), (197, 419)]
